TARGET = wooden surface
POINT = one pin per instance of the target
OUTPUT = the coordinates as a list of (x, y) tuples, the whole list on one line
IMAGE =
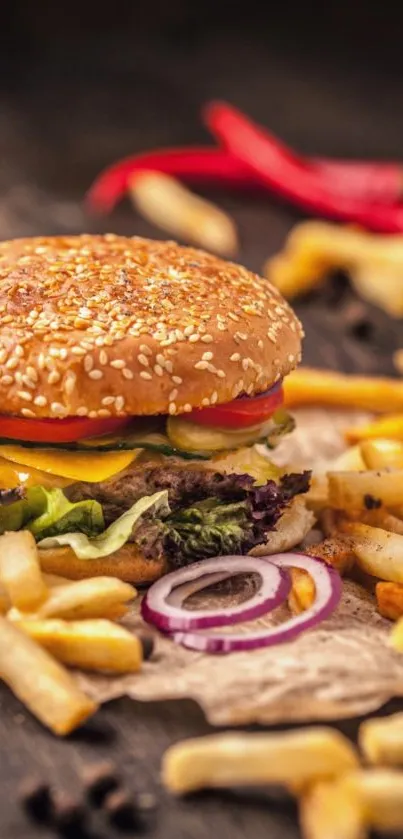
[(73, 98)]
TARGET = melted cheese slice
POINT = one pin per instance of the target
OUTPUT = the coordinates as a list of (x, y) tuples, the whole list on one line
[(72, 466)]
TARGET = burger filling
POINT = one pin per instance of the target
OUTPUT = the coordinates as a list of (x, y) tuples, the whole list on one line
[(180, 489)]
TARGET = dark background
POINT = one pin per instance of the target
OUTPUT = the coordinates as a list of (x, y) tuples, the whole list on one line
[(82, 85)]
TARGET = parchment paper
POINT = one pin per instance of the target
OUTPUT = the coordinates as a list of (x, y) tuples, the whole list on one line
[(343, 668)]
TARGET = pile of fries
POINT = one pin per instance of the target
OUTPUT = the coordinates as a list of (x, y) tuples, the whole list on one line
[(338, 798), (47, 622)]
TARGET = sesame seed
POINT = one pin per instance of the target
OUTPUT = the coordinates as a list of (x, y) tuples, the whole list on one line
[(26, 412), (207, 339), (108, 400), (233, 316), (53, 377), (160, 359), (249, 389), (54, 352), (6, 380), (291, 358), (63, 353), (142, 359), (145, 349), (57, 408), (70, 383), (145, 375), (127, 374), (32, 373), (28, 382), (207, 356), (41, 401), (103, 358), (3, 356), (187, 408), (88, 363), (93, 414), (25, 395), (214, 397), (205, 401), (119, 403), (118, 364), (188, 330), (236, 356), (158, 370), (95, 374), (179, 335), (271, 336), (221, 327), (18, 377), (82, 411), (12, 363), (173, 395), (103, 412), (19, 351), (245, 363), (220, 374), (260, 344), (201, 365), (172, 408), (193, 338), (169, 366), (177, 380)]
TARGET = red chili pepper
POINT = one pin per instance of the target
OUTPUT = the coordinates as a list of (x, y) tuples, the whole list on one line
[(197, 165), (284, 174), (379, 183)]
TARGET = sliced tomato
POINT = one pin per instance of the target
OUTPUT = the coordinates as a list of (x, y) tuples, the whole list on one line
[(59, 430), (240, 413)]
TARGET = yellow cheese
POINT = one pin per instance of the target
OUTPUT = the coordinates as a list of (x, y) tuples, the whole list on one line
[(76, 466), (14, 475)]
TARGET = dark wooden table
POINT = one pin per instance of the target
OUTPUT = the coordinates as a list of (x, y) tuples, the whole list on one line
[(73, 98)]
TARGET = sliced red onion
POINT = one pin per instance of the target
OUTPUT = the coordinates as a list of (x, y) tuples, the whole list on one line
[(170, 618), (328, 593)]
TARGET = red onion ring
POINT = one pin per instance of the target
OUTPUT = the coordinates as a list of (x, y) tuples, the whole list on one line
[(328, 593), (156, 609)]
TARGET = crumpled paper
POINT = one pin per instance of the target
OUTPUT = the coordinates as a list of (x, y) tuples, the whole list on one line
[(342, 668)]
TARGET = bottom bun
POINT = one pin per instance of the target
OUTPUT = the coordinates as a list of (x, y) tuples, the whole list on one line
[(128, 564)]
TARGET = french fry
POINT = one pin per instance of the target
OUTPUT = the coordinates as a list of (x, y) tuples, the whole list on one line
[(294, 759), (355, 490), (167, 203), (381, 740), (381, 795), (330, 810), (336, 551), (40, 682), (5, 602), (396, 636), (309, 386), (382, 454), (381, 518), (389, 428), (389, 599), (378, 552), (91, 598), (303, 591), (90, 644), (20, 573)]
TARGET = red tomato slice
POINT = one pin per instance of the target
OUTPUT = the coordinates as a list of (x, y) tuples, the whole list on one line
[(59, 430), (240, 413)]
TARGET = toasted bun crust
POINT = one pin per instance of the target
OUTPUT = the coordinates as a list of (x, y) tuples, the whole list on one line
[(103, 326), (128, 564)]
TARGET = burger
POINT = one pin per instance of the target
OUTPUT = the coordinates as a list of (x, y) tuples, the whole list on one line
[(136, 377)]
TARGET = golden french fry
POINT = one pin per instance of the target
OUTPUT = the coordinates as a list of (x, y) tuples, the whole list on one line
[(352, 491), (292, 758), (381, 795), (381, 518), (40, 682), (303, 591), (90, 644), (20, 573), (309, 386), (378, 552), (335, 551), (388, 428), (387, 294), (349, 461), (170, 205), (389, 599), (381, 453), (5, 602), (91, 598), (396, 636), (53, 580), (381, 740), (330, 810)]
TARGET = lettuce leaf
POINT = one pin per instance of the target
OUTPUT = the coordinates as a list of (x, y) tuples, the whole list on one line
[(48, 512), (116, 535)]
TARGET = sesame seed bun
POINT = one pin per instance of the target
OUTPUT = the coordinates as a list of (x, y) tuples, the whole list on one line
[(105, 326)]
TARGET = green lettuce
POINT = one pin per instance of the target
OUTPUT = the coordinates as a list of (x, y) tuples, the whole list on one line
[(47, 512), (116, 534)]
